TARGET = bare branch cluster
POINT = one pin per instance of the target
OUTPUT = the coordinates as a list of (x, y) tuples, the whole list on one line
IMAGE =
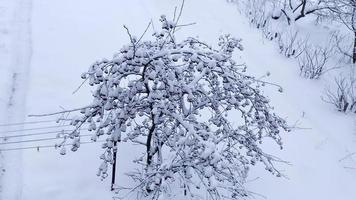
[(313, 62), (291, 44), (294, 10), (343, 97), (344, 11)]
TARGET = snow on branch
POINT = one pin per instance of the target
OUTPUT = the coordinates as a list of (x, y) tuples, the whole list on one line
[(199, 117)]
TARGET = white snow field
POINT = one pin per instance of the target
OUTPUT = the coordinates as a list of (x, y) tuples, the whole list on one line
[(15, 55), (68, 36)]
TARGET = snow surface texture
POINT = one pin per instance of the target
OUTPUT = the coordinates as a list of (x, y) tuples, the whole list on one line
[(69, 35), (15, 55)]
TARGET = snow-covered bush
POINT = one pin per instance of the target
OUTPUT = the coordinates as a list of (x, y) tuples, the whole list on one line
[(343, 96), (294, 10), (288, 11), (344, 47), (344, 11), (199, 117), (257, 13), (314, 61), (291, 44)]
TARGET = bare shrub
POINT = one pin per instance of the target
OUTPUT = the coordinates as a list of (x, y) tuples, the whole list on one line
[(344, 47), (343, 96), (293, 11), (290, 44), (343, 11), (257, 14), (313, 62)]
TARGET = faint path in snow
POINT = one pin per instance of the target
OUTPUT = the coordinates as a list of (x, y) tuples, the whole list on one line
[(15, 56)]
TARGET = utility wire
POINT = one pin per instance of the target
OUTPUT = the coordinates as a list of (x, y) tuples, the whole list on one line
[(45, 146), (38, 140), (39, 133), (34, 134), (23, 123), (31, 129)]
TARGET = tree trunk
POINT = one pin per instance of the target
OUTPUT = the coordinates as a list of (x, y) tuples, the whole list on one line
[(149, 140), (354, 50), (113, 176)]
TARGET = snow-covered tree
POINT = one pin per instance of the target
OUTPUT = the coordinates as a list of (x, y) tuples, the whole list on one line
[(199, 117)]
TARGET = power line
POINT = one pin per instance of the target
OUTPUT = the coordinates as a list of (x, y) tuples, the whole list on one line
[(32, 140), (39, 133), (24, 123), (33, 134), (44, 146), (38, 140), (31, 129), (23, 148)]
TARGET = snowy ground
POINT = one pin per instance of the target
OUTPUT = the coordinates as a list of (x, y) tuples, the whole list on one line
[(15, 55), (68, 36)]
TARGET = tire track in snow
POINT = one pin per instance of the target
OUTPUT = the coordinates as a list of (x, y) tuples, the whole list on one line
[(15, 53)]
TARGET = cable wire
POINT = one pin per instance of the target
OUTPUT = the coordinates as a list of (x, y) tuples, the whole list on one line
[(24, 123), (44, 146), (39, 133), (33, 134), (38, 140), (31, 129)]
